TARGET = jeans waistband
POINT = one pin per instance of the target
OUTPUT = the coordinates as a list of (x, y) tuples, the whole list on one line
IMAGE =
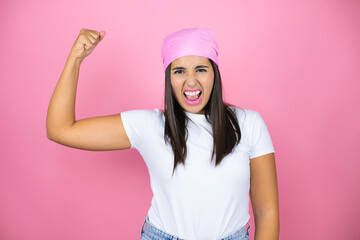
[(243, 232)]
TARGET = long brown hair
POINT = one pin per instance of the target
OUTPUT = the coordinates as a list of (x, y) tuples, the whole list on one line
[(225, 126)]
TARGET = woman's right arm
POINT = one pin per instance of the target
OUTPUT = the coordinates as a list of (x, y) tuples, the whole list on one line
[(96, 133)]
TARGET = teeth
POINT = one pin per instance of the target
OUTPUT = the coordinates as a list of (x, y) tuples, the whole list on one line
[(192, 93)]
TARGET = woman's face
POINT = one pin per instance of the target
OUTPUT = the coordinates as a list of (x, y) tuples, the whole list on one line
[(192, 80)]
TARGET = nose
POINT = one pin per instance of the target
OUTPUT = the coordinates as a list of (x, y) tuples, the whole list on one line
[(191, 80)]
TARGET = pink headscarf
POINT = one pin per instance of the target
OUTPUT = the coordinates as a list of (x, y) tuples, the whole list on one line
[(190, 41)]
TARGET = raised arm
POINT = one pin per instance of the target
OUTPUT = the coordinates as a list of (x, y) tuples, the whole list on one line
[(97, 133)]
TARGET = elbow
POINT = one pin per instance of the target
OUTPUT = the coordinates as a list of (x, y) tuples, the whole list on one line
[(56, 134), (52, 133), (49, 129), (49, 135)]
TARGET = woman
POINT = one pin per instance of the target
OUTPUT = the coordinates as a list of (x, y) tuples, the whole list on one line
[(200, 151)]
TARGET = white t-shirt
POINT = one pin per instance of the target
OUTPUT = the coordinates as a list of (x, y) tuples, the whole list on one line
[(200, 201)]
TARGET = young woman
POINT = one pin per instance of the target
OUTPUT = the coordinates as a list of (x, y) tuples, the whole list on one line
[(204, 156)]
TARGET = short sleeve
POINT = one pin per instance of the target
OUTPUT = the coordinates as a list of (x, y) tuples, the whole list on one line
[(137, 124), (261, 143)]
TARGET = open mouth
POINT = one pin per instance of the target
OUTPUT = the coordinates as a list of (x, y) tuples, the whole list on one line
[(192, 97)]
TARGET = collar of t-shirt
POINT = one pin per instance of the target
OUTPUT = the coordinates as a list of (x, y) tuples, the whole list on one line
[(199, 120)]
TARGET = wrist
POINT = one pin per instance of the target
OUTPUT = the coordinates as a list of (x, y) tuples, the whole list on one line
[(74, 60)]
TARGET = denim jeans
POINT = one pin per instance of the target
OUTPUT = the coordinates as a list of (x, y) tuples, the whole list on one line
[(150, 232)]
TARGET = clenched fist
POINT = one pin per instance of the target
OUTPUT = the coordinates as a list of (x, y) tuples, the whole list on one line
[(85, 43)]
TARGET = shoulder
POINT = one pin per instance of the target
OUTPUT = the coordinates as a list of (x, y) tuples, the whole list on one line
[(245, 116), (143, 115), (144, 112)]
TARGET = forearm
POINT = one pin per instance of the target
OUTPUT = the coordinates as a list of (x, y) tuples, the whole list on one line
[(61, 111), (267, 227)]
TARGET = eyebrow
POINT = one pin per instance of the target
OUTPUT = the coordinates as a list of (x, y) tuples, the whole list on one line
[(182, 68)]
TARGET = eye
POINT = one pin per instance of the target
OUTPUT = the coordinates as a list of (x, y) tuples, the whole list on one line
[(178, 71), (202, 70)]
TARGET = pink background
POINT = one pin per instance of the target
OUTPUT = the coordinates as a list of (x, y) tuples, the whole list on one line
[(296, 62)]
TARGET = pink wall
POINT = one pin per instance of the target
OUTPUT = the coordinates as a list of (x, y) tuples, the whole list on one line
[(296, 62)]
